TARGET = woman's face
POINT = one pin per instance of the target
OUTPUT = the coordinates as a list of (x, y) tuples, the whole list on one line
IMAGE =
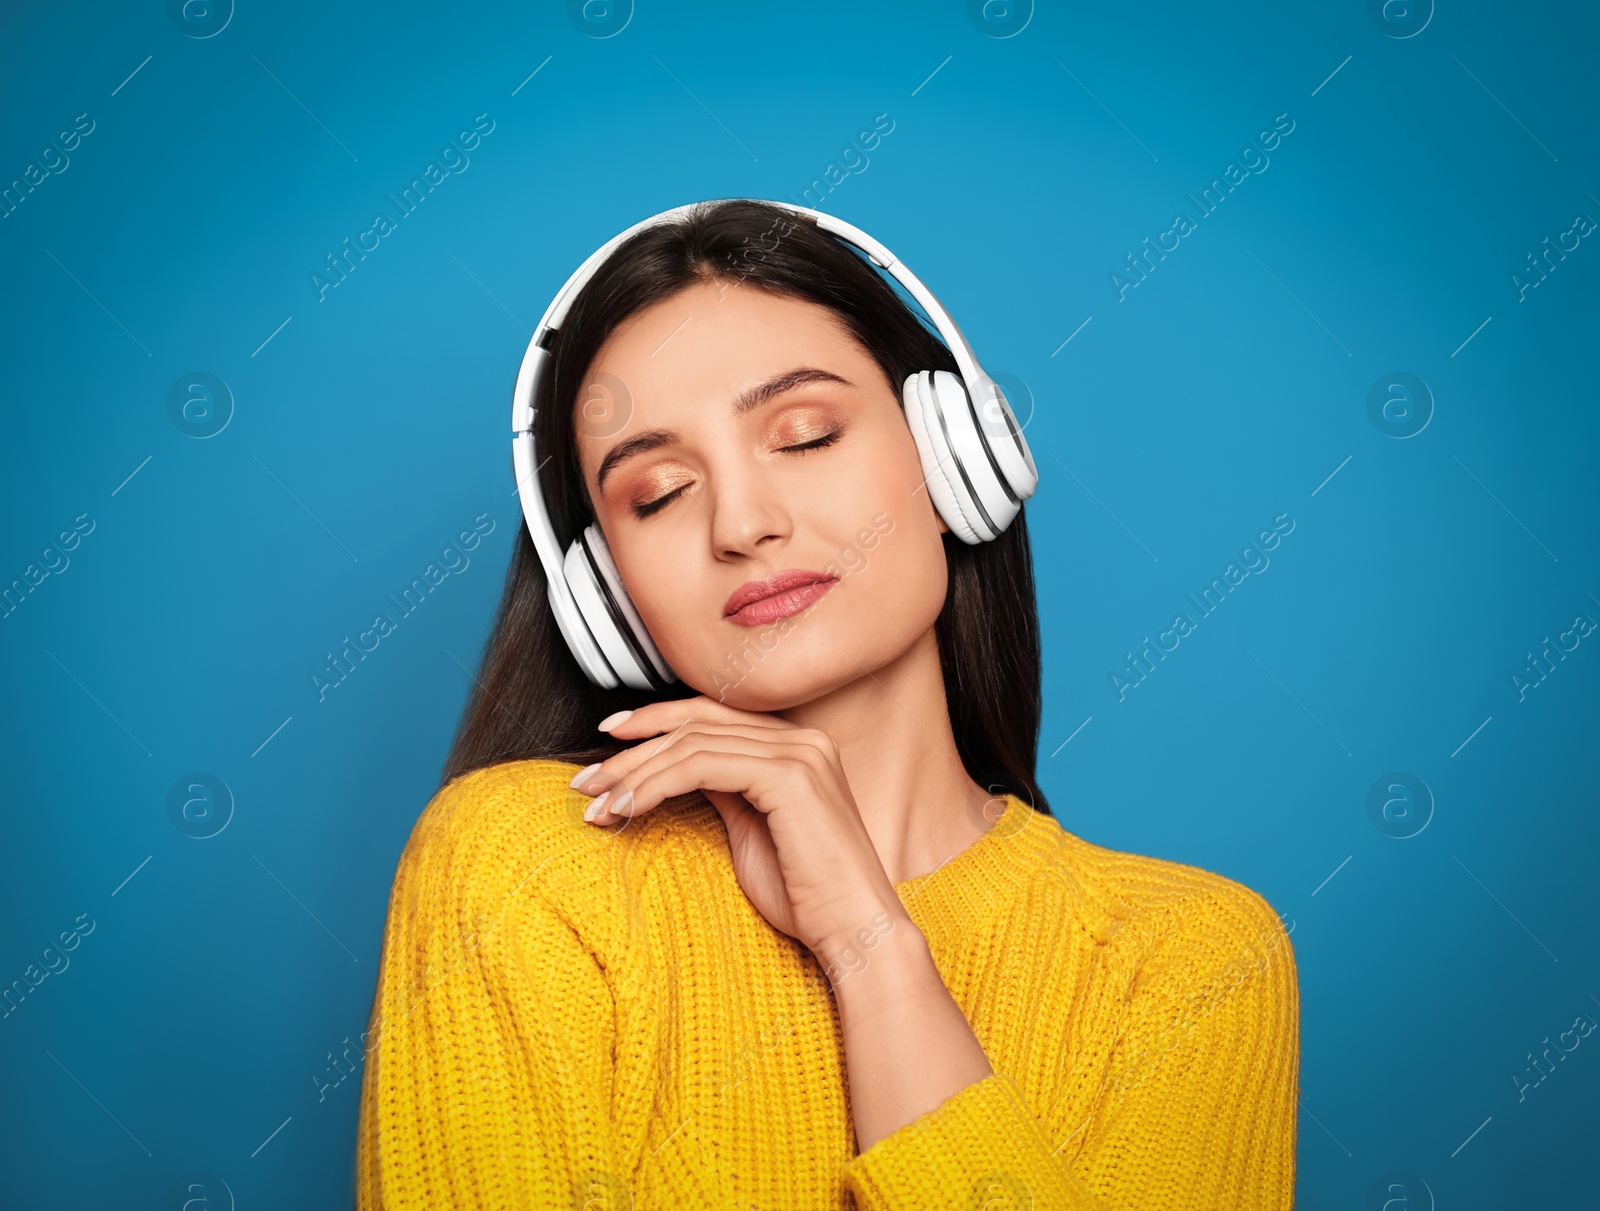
[(709, 485)]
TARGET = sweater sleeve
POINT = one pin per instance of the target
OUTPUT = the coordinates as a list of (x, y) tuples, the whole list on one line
[(490, 1065), (1196, 1110)]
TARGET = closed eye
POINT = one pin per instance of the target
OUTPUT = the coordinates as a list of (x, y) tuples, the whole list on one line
[(817, 444), (659, 502), (827, 439)]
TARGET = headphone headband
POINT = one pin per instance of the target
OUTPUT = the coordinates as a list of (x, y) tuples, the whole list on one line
[(603, 647), (556, 313)]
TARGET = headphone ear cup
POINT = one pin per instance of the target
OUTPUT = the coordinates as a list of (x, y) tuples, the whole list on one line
[(997, 426), (933, 446), (598, 615), (982, 488), (595, 542)]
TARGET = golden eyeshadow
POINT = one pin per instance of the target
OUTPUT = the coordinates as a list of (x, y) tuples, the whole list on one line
[(652, 483), (797, 427)]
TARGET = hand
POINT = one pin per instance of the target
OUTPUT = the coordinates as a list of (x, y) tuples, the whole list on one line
[(800, 850)]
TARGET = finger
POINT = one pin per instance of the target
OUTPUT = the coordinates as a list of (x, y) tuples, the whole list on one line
[(717, 763), (692, 740), (606, 774), (593, 779), (657, 717), (752, 773)]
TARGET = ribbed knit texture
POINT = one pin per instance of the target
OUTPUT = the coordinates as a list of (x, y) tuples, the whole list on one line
[(585, 1018)]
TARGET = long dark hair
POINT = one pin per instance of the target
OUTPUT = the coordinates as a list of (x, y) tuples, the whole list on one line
[(531, 699)]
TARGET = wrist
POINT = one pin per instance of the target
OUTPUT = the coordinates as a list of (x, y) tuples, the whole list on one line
[(887, 940)]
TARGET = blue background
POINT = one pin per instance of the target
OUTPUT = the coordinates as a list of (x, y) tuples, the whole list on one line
[(369, 427)]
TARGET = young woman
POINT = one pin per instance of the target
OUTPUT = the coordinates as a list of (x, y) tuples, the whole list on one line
[(799, 931)]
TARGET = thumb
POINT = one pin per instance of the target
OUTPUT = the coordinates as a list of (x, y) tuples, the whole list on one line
[(730, 805)]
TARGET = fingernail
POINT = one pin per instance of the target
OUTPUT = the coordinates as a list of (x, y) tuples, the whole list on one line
[(611, 721), (624, 800), (583, 775), (594, 809)]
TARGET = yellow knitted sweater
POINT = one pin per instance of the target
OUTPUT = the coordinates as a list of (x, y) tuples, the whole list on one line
[(575, 1017)]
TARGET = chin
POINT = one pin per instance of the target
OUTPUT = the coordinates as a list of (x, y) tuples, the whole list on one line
[(774, 682), (806, 664)]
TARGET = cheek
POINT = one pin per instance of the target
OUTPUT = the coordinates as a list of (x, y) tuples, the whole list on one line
[(658, 590), (890, 531), (902, 581), (887, 549), (678, 608), (883, 540), (878, 486)]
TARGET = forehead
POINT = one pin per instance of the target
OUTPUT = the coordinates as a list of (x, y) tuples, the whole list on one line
[(704, 344)]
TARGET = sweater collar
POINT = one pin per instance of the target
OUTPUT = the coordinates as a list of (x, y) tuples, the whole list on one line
[(1016, 846)]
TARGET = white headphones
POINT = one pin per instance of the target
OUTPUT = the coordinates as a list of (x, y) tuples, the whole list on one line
[(979, 469)]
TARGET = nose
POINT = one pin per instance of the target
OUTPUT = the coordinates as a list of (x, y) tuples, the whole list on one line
[(748, 516)]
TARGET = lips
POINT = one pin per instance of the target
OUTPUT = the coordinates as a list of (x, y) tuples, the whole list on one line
[(764, 601)]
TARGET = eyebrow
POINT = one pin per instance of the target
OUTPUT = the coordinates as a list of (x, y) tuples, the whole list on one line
[(745, 401)]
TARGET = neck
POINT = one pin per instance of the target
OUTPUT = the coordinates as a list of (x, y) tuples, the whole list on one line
[(897, 749)]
